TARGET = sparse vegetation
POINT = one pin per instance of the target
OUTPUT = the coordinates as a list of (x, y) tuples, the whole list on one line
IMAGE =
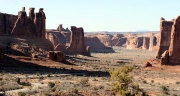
[(21, 94), (75, 91), (84, 82), (91, 78), (121, 79), (165, 90), (18, 80), (51, 84)]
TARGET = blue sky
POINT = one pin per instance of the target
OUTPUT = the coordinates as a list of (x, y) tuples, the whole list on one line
[(100, 15)]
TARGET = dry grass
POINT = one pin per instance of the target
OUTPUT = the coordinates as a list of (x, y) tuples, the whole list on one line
[(89, 75)]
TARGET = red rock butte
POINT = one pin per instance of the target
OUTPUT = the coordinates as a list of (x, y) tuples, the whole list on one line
[(168, 46)]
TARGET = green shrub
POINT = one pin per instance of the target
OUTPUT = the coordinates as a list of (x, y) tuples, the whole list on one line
[(152, 81), (38, 74), (51, 84), (101, 87), (21, 94), (165, 90), (75, 91), (144, 81), (84, 82), (18, 80), (120, 79), (49, 75)]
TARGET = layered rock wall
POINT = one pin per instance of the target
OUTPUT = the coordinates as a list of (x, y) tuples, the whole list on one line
[(165, 36), (77, 44), (174, 49), (134, 42), (146, 43), (22, 25), (7, 22), (152, 43)]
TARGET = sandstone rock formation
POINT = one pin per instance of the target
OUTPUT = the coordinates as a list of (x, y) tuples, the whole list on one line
[(165, 33), (96, 45), (7, 22), (40, 22), (169, 47), (134, 42), (146, 42), (165, 58), (94, 42), (32, 26), (112, 40), (174, 49), (105, 39), (68, 42), (77, 44), (60, 28), (56, 56), (56, 38), (152, 42), (22, 27), (60, 48), (152, 62), (118, 40), (128, 40)]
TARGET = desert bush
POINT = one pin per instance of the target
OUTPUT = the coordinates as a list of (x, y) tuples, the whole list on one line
[(84, 82), (177, 82), (95, 88), (21, 94), (94, 79), (135, 88), (38, 74), (18, 80), (175, 95), (75, 91), (144, 81), (120, 79), (152, 81), (49, 75), (165, 90), (51, 84), (101, 87), (41, 77)]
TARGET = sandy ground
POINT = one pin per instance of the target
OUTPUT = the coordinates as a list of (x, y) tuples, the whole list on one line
[(95, 71)]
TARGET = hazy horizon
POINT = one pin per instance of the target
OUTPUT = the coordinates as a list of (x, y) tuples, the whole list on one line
[(112, 16)]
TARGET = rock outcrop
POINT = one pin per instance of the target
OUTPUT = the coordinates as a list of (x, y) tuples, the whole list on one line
[(77, 44), (40, 23), (165, 33), (22, 25), (118, 40), (165, 58), (68, 42), (134, 42), (96, 45), (146, 43), (60, 28), (152, 42), (105, 39), (7, 22), (174, 49), (60, 48), (56, 38), (56, 56), (169, 47)]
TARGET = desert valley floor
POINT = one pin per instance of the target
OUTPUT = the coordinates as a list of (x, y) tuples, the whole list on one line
[(83, 75)]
